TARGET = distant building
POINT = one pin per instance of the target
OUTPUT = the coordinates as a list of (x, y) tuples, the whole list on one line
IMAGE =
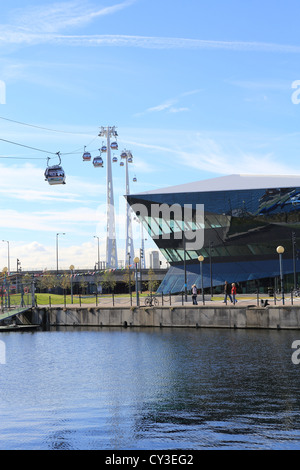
[(244, 219), (154, 260)]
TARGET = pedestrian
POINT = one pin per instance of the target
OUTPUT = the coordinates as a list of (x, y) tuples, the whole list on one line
[(233, 293), (227, 292), (194, 294)]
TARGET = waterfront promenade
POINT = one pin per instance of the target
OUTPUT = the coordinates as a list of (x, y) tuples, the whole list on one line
[(243, 300), (214, 314), (250, 311)]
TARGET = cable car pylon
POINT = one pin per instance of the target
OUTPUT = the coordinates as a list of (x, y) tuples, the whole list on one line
[(111, 243)]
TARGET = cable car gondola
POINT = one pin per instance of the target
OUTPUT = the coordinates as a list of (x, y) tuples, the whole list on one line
[(121, 163), (114, 146), (86, 156), (98, 162), (134, 179), (55, 174), (124, 154), (114, 159), (103, 149)]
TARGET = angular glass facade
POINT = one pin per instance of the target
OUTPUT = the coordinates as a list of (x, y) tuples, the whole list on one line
[(240, 227)]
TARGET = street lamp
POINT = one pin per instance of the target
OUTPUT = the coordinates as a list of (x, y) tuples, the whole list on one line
[(184, 265), (8, 262), (210, 267), (71, 269), (129, 275), (98, 253), (6, 289), (136, 261), (57, 250), (280, 251), (201, 259)]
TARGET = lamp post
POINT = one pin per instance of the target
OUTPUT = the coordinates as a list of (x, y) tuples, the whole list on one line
[(294, 259), (280, 251), (8, 261), (136, 261), (210, 267), (201, 259), (184, 265), (57, 250), (129, 275), (98, 252), (6, 290), (71, 269)]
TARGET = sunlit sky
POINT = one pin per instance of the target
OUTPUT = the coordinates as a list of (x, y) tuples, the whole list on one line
[(196, 90)]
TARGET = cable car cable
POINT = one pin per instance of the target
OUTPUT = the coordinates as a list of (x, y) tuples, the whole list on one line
[(39, 127), (28, 147), (23, 158), (45, 151)]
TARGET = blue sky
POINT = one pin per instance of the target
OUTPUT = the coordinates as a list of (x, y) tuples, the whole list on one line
[(196, 89)]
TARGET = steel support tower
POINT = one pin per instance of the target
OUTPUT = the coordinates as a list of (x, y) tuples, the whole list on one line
[(129, 248), (111, 243)]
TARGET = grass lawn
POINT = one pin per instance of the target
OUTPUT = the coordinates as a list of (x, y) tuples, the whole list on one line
[(45, 299)]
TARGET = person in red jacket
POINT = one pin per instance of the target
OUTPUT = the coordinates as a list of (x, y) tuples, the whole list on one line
[(233, 293)]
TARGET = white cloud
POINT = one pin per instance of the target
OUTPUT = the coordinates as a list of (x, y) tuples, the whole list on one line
[(213, 153), (178, 110), (26, 182), (38, 25), (59, 16), (17, 36), (169, 105), (52, 221)]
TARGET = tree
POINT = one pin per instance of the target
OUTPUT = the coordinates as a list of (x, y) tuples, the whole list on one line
[(47, 281), (65, 281), (97, 281), (109, 281), (83, 285), (128, 277), (153, 283)]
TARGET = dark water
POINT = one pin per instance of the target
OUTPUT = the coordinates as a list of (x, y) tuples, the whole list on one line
[(149, 389)]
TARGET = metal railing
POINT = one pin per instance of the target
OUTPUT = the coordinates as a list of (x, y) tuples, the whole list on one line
[(13, 296), (254, 298)]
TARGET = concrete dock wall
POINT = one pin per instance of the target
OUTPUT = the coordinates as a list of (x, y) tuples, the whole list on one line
[(285, 317)]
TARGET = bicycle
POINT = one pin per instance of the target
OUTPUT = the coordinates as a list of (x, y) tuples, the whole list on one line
[(151, 301)]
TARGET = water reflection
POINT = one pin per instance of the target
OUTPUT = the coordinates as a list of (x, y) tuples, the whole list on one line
[(150, 389)]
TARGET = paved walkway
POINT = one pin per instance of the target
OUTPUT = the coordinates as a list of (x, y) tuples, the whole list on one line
[(242, 300)]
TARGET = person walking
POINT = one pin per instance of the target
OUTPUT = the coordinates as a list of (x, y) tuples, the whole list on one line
[(194, 294), (227, 293), (233, 293)]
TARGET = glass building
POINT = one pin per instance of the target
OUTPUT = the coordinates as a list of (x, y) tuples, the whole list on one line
[(236, 222)]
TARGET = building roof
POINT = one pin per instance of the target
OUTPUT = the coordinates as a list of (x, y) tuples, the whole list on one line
[(231, 183)]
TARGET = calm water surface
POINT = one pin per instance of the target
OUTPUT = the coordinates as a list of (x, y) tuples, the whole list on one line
[(149, 389)]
